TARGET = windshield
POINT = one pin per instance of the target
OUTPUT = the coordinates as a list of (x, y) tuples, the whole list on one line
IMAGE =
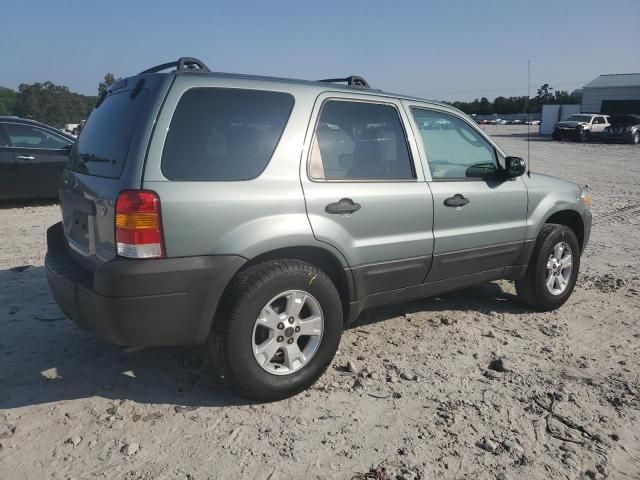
[(104, 141), (625, 121), (579, 118)]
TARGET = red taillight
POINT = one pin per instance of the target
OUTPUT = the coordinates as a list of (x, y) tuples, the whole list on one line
[(138, 225)]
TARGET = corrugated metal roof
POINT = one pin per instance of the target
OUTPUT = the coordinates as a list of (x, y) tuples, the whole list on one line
[(615, 80)]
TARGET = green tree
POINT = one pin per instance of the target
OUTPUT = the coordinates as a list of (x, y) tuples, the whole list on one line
[(485, 107), (545, 94), (103, 86), (52, 104), (7, 101)]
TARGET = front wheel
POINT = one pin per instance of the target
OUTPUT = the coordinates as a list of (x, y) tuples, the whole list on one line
[(635, 138), (583, 136), (553, 269), (279, 330)]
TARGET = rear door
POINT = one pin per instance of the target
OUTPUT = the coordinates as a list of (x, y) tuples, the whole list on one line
[(40, 155), (365, 191), (479, 221)]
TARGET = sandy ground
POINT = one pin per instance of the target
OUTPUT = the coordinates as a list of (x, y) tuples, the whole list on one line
[(421, 404)]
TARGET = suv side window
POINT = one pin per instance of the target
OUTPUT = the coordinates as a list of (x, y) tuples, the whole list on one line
[(454, 149), (597, 120), (360, 141), (26, 136), (224, 134)]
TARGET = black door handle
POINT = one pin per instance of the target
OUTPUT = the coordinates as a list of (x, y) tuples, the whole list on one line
[(457, 200), (344, 206)]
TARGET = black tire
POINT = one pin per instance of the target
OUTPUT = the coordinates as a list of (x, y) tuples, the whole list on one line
[(635, 138), (582, 136), (532, 288), (556, 136), (230, 340)]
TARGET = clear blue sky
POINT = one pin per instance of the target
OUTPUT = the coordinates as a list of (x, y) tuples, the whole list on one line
[(435, 49)]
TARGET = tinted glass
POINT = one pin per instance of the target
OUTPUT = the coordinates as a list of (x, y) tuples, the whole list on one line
[(579, 118), (103, 144), (361, 141), (224, 134), (454, 149), (624, 121), (27, 136)]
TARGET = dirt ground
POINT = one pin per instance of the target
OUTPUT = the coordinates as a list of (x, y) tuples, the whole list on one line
[(424, 396)]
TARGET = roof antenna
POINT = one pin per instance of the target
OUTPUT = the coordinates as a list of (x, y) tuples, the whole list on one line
[(526, 112)]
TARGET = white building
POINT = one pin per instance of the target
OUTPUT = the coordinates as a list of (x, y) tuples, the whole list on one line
[(612, 94)]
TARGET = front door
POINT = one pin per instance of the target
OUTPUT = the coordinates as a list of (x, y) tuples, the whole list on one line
[(479, 220), (365, 191), (40, 156), (597, 125)]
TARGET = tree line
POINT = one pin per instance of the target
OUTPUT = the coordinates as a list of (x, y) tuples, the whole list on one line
[(49, 103), (519, 104), (56, 105)]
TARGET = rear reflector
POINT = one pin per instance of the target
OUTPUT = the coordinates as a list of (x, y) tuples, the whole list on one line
[(138, 225)]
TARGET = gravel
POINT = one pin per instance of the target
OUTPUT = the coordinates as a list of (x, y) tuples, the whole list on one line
[(564, 401)]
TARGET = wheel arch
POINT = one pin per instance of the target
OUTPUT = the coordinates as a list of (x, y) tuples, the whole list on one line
[(571, 219), (322, 258)]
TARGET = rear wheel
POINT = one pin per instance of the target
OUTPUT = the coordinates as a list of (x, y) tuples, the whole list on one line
[(279, 330), (635, 138), (553, 269), (556, 135)]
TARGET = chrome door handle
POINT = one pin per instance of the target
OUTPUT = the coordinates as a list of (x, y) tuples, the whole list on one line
[(26, 157)]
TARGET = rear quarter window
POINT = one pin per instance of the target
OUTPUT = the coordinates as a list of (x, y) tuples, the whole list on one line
[(223, 134), (103, 144)]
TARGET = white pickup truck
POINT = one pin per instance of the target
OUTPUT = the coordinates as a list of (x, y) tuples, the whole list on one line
[(581, 127)]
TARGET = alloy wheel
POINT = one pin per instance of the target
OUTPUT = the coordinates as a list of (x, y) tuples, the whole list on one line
[(287, 332), (559, 269)]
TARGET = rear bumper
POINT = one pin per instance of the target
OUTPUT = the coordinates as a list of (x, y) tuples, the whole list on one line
[(140, 302)]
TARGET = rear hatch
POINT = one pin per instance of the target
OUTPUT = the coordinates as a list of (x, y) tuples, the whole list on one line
[(108, 158)]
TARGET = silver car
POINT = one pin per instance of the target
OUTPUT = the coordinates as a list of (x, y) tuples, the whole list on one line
[(260, 215)]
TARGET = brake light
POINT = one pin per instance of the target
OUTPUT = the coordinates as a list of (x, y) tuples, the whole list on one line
[(138, 225)]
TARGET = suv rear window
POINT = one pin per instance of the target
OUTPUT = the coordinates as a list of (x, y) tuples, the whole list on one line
[(104, 141), (224, 134)]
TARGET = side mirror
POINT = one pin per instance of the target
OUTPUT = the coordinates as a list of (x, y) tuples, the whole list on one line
[(514, 167)]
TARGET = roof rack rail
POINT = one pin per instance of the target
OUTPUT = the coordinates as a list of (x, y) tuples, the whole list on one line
[(352, 81), (188, 64)]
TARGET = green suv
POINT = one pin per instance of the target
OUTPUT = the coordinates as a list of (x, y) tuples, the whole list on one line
[(260, 215)]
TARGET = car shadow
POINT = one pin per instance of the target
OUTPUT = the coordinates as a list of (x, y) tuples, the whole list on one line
[(483, 298), (46, 358), (31, 202)]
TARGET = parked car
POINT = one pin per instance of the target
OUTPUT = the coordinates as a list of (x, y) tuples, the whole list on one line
[(533, 122), (69, 128), (581, 127), (32, 157), (190, 215), (623, 127)]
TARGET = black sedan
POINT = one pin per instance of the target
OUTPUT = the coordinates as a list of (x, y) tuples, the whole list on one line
[(32, 157)]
